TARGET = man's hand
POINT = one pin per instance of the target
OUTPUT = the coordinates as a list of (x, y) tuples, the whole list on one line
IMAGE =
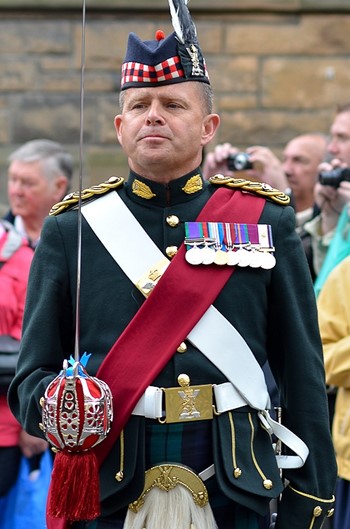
[(267, 167), (31, 445), (216, 161), (331, 200)]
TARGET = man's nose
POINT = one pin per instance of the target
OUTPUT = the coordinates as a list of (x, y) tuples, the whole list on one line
[(332, 146), (15, 186), (154, 114), (286, 166)]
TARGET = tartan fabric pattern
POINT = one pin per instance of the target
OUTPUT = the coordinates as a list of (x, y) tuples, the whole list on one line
[(190, 444), (135, 72)]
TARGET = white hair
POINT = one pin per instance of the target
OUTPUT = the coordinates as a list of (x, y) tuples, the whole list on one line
[(55, 159)]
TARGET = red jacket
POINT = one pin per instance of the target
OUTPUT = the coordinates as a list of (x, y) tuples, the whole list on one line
[(14, 271)]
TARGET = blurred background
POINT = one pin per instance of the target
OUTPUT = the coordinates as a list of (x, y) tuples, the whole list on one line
[(278, 68)]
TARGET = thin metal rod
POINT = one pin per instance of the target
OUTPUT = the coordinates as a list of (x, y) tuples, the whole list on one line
[(81, 167)]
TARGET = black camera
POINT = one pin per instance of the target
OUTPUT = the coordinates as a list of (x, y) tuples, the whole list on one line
[(334, 177), (239, 162)]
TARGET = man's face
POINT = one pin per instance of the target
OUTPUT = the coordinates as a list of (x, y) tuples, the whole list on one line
[(30, 193), (339, 146), (301, 159), (163, 129)]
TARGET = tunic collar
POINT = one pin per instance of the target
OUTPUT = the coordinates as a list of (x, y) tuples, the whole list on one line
[(177, 191)]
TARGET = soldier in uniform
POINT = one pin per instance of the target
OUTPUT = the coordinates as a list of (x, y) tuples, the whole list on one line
[(187, 287)]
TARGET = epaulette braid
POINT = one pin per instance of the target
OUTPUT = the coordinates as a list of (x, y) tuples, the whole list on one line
[(71, 200), (258, 188)]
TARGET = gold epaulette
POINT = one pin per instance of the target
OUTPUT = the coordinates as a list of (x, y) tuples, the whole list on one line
[(258, 188), (71, 200)]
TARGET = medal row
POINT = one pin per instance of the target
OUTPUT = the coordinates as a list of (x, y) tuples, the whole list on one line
[(255, 258), (230, 244)]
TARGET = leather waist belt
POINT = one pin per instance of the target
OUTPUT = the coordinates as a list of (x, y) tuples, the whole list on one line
[(188, 403)]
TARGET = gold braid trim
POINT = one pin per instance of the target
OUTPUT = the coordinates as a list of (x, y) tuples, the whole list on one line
[(72, 199), (311, 497), (258, 188)]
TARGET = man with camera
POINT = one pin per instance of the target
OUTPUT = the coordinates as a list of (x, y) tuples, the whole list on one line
[(258, 163), (332, 191)]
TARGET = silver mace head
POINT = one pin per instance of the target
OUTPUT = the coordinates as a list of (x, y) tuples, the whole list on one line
[(77, 410)]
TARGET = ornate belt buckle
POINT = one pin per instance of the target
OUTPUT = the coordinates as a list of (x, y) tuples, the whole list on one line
[(188, 403), (149, 279)]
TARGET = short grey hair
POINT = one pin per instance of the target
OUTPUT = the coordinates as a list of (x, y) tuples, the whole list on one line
[(55, 159), (207, 97)]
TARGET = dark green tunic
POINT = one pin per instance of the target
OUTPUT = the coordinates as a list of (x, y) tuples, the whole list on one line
[(274, 310)]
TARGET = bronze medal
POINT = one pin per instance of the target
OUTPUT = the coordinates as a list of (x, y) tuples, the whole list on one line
[(220, 257)]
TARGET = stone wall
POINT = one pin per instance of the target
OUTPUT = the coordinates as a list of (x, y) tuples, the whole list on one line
[(278, 68)]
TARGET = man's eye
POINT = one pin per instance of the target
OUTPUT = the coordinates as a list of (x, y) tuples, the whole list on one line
[(137, 106)]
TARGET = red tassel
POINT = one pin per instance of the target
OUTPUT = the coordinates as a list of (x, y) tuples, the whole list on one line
[(75, 491)]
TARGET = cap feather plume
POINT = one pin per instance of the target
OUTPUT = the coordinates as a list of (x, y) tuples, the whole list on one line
[(182, 22)]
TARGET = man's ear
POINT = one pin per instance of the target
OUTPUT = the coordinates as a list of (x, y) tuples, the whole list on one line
[(60, 187), (118, 127), (210, 126)]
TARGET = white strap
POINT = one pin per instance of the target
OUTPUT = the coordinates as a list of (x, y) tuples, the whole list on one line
[(214, 336), (227, 397), (289, 439)]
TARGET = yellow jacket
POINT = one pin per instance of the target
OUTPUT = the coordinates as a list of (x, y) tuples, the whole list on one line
[(334, 318)]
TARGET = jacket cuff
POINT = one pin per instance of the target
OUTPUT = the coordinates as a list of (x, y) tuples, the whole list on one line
[(300, 510)]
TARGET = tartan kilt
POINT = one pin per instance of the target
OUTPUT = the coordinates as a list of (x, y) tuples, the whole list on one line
[(190, 444)]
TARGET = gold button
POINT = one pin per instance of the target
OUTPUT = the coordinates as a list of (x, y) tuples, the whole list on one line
[(173, 220), (183, 380), (182, 348), (330, 513), (317, 511), (237, 472), (171, 251), (267, 484)]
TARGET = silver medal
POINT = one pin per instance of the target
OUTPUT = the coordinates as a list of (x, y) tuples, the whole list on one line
[(268, 261), (194, 256), (232, 258), (256, 259), (208, 255), (243, 257)]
